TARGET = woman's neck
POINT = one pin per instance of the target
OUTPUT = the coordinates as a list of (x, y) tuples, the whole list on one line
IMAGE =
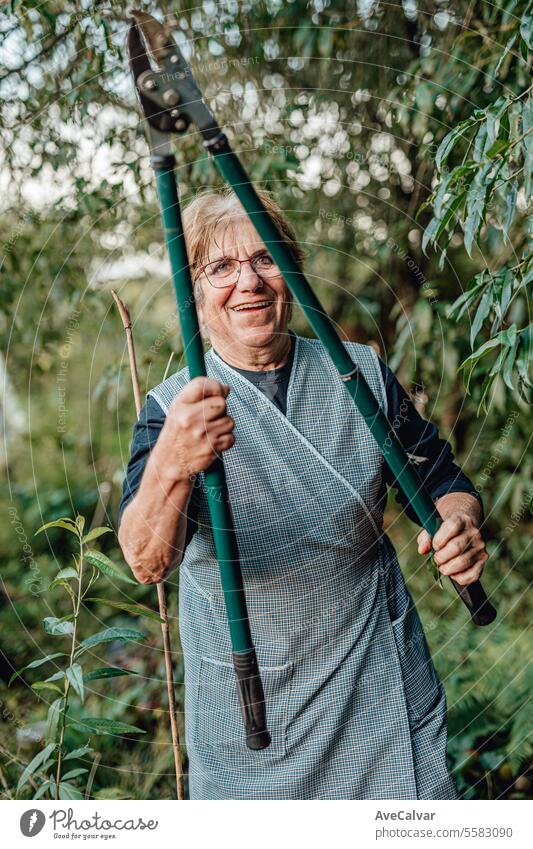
[(257, 359)]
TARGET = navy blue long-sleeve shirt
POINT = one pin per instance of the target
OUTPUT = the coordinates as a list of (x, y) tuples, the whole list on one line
[(419, 437)]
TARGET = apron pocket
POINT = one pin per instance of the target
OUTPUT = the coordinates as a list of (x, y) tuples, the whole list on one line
[(219, 726), (421, 685)]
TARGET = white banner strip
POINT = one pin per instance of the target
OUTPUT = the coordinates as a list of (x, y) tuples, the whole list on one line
[(267, 825)]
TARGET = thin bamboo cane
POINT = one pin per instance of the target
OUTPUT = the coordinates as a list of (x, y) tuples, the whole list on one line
[(161, 594)]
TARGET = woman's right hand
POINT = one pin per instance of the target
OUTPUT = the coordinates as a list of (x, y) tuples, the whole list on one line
[(200, 428)]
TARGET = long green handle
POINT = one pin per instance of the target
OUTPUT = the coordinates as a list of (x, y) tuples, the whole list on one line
[(232, 171), (249, 685)]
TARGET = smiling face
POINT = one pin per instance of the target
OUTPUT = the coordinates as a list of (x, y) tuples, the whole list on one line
[(247, 322)]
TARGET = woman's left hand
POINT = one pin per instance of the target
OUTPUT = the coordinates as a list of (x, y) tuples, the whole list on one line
[(459, 549)]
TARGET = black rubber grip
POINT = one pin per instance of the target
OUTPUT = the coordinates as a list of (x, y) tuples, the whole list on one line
[(252, 699), (481, 610), (162, 161)]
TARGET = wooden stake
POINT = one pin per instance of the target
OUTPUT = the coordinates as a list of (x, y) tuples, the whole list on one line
[(161, 594)]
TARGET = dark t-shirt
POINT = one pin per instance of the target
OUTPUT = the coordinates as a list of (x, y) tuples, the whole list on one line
[(419, 437), (273, 383)]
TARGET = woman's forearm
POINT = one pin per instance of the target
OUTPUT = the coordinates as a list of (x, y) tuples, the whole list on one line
[(463, 502), (153, 526)]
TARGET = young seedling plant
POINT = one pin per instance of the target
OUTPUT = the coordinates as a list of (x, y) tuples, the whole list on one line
[(51, 768)]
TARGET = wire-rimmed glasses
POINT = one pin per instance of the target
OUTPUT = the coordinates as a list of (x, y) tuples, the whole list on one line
[(226, 270)]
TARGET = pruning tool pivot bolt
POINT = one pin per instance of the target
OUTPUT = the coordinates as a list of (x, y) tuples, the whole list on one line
[(171, 97)]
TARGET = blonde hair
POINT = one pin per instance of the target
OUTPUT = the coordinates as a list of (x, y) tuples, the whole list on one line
[(209, 210)]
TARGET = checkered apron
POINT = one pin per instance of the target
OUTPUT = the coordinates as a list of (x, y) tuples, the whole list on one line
[(354, 705)]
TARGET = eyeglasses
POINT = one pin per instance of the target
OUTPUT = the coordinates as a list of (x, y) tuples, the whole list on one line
[(226, 270)]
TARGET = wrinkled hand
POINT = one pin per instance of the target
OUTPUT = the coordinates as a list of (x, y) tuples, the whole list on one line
[(459, 549), (198, 425)]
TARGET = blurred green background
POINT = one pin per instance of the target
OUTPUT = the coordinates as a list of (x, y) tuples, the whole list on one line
[(339, 108)]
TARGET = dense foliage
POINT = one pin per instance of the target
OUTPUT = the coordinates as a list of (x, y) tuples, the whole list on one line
[(399, 140)]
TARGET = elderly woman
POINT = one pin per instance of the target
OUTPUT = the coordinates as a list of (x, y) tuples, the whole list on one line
[(354, 705)]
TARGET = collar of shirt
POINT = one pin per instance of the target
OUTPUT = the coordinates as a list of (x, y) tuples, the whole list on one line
[(276, 375)]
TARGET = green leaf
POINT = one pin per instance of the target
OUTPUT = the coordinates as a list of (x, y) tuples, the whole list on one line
[(63, 576), (430, 233), (450, 140), (481, 314), (66, 524), (527, 277), (68, 791), (95, 533), (78, 753), (75, 677), (436, 225), (108, 672), (509, 365), (441, 193), (108, 726), (461, 304), (57, 627), (498, 362), (449, 180), (35, 663), (492, 343), (135, 609), (510, 206), (508, 336), (110, 635), (523, 359), (67, 573), (497, 148), (507, 290), (494, 114), (34, 765), (61, 583), (480, 144), (442, 259), (53, 718), (74, 773), (475, 205), (505, 53), (505, 126), (505, 337), (56, 676), (80, 524), (105, 565), (526, 28), (527, 145), (46, 685), (44, 788), (486, 387)]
